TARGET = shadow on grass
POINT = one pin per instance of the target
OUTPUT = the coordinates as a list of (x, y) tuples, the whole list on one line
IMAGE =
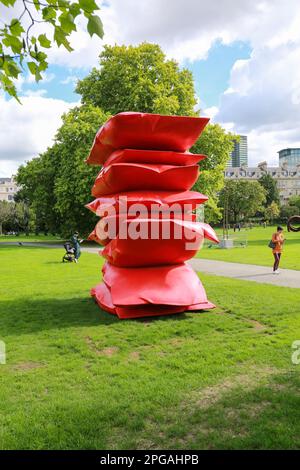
[(29, 316), (246, 416)]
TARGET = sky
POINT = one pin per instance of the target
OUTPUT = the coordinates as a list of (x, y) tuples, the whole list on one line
[(244, 55)]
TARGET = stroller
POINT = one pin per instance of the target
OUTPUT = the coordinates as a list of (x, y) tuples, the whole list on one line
[(69, 254)]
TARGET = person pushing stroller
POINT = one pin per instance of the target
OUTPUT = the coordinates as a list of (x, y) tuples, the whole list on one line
[(76, 244)]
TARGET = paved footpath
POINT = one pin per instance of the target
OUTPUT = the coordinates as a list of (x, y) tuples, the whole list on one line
[(246, 272)]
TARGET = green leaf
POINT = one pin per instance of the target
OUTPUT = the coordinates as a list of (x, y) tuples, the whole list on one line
[(49, 13), (67, 22), (13, 69), (32, 67), (88, 5), (44, 41), (60, 38), (74, 9), (8, 3), (34, 70), (15, 27), (95, 26), (43, 66), (41, 56), (14, 43)]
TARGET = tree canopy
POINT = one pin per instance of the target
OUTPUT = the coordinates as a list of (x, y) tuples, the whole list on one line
[(243, 198), (138, 78), (20, 45), (217, 145), (58, 182), (270, 185)]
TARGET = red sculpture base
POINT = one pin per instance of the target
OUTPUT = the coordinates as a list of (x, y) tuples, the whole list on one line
[(153, 291)]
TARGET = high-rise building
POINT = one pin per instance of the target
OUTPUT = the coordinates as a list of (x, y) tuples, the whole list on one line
[(239, 155), (290, 156)]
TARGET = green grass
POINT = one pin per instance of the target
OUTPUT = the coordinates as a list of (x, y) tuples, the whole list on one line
[(257, 250), (78, 378), (30, 238)]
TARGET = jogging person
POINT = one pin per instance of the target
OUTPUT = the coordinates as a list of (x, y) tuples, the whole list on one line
[(278, 241)]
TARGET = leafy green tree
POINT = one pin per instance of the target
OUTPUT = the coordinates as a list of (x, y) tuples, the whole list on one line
[(244, 198), (217, 145), (58, 183), (5, 214), (272, 212), (288, 211), (37, 179), (295, 202), (270, 185), (75, 179), (138, 78), (19, 45)]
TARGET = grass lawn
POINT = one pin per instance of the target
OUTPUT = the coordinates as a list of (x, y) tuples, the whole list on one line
[(30, 238), (257, 250), (77, 378)]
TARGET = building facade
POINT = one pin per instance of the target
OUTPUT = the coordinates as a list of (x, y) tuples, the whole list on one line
[(239, 155), (8, 189), (289, 156), (288, 178)]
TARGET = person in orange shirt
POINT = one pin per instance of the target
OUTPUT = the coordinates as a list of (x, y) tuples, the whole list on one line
[(278, 240)]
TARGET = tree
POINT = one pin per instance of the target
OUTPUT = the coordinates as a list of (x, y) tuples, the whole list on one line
[(5, 214), (294, 201), (37, 180), (57, 183), (272, 211), (18, 46), (74, 180), (244, 198), (288, 211), (217, 145), (270, 185), (138, 78)]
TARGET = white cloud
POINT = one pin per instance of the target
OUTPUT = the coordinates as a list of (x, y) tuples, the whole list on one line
[(27, 129), (263, 100)]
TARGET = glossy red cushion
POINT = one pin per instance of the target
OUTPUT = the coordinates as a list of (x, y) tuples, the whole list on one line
[(120, 177), (154, 156), (145, 131), (162, 285), (108, 227), (102, 296), (120, 203), (169, 241)]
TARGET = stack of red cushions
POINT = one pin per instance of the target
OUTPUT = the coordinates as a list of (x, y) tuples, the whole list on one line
[(147, 214)]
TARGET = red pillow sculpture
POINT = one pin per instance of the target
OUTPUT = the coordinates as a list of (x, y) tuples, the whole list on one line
[(120, 177), (147, 215), (145, 131)]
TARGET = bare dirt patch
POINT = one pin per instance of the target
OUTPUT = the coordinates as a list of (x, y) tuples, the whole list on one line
[(110, 351), (134, 355), (28, 366), (257, 325)]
